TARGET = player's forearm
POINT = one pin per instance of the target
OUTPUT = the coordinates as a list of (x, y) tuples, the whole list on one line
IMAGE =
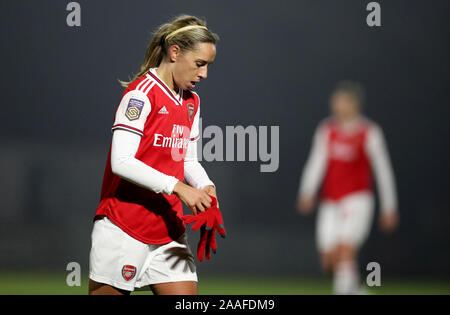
[(383, 170), (315, 166), (145, 176), (125, 165), (195, 175), (386, 187), (312, 176)]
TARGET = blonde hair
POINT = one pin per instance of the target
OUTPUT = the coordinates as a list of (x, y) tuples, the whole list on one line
[(186, 31)]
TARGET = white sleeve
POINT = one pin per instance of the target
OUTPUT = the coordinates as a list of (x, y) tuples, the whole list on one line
[(132, 112), (381, 164), (314, 169), (124, 164), (194, 173)]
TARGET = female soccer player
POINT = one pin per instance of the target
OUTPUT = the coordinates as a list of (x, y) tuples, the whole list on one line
[(345, 148), (138, 237)]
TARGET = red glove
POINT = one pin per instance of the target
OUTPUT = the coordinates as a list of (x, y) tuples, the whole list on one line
[(206, 243), (208, 222)]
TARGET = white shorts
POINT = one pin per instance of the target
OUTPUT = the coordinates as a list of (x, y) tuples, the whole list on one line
[(123, 262), (345, 221)]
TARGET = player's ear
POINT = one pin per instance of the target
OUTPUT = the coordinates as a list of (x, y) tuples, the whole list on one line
[(174, 52)]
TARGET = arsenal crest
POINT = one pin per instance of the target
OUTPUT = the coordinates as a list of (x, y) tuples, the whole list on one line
[(191, 109), (128, 272)]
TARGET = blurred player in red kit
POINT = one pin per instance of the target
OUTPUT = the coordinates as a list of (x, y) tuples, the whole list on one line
[(346, 148), (138, 238)]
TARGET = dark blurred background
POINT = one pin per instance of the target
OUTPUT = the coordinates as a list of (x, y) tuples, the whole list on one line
[(276, 65)]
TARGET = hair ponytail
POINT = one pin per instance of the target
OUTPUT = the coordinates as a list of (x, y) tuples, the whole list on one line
[(157, 48)]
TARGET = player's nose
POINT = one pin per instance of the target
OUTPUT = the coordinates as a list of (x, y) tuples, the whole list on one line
[(203, 73)]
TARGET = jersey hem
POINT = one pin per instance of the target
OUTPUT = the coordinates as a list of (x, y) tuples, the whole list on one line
[(138, 237), (324, 198)]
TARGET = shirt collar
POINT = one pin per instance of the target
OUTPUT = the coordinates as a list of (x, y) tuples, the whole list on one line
[(178, 96)]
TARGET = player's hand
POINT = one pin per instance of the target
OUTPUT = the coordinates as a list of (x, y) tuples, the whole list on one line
[(197, 200), (211, 190), (305, 204), (211, 219), (388, 221), (208, 222)]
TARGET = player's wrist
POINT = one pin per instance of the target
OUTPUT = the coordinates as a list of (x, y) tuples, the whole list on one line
[(389, 210), (171, 187)]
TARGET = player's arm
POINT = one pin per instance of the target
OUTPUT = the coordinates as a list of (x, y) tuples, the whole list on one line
[(313, 171), (194, 173), (381, 164), (128, 129), (125, 144)]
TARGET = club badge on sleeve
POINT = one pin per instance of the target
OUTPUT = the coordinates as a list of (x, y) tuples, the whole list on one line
[(134, 109), (128, 272)]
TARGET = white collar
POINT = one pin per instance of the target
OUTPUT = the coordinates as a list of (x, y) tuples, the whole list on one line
[(177, 96)]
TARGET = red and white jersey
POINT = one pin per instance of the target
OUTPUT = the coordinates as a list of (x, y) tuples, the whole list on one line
[(342, 159), (348, 168), (166, 123)]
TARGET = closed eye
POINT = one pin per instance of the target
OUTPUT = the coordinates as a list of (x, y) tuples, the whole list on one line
[(202, 62)]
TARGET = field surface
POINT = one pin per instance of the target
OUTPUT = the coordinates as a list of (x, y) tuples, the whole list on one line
[(44, 284)]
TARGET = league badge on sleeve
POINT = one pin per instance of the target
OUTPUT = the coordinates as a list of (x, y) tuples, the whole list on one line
[(128, 272), (134, 109)]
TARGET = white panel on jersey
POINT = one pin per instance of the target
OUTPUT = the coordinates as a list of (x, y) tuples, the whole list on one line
[(133, 111), (195, 130)]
